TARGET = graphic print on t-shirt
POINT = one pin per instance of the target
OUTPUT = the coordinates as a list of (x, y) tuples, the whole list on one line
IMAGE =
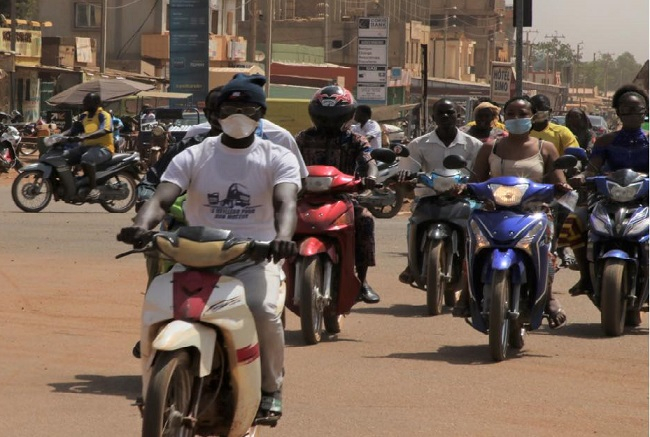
[(234, 206)]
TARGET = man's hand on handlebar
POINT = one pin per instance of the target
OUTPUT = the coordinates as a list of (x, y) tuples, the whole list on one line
[(282, 248), (135, 235)]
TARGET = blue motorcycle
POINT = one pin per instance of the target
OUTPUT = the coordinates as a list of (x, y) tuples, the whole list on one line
[(509, 266), (617, 248), (436, 236)]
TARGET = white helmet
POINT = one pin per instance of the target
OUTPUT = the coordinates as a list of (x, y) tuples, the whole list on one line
[(12, 135)]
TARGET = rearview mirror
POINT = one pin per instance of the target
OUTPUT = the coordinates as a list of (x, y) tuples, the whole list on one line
[(565, 162), (383, 155), (455, 162), (400, 150)]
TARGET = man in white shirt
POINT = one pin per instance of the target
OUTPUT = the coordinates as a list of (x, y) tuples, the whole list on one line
[(367, 127), (248, 185), (428, 151)]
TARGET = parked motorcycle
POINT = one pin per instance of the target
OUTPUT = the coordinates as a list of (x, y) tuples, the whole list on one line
[(9, 143), (387, 198), (153, 143), (509, 267), (52, 176), (199, 347), (321, 282), (436, 234), (617, 248)]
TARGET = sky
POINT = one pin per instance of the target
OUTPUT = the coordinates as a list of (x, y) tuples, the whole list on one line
[(605, 26)]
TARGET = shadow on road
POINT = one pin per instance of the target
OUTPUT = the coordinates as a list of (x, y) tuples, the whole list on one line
[(295, 339), (464, 355), (591, 331), (399, 310), (128, 386)]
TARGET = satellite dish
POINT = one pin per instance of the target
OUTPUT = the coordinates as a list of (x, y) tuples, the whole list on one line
[(259, 56)]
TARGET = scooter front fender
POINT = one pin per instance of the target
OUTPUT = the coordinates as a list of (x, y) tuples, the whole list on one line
[(618, 254), (179, 335), (312, 246), (503, 259), (45, 169)]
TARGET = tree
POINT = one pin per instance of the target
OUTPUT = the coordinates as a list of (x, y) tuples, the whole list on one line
[(608, 73), (25, 9), (553, 56)]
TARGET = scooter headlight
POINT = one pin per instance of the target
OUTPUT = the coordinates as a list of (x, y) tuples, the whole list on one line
[(508, 195), (480, 238), (623, 194), (442, 184), (318, 184)]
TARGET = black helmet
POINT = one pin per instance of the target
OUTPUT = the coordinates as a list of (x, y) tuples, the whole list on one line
[(331, 107)]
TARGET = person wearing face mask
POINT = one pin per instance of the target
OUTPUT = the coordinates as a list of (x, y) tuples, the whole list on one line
[(519, 154), (249, 185), (543, 128), (625, 148)]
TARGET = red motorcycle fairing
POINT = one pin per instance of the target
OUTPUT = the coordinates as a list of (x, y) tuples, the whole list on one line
[(192, 289), (312, 246)]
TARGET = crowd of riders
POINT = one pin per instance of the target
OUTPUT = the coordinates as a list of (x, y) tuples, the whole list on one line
[(516, 139)]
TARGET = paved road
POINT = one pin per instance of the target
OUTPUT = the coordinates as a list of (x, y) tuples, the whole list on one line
[(70, 317)]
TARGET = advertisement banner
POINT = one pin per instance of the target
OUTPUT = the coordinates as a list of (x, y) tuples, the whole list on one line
[(372, 60), (503, 82), (188, 48)]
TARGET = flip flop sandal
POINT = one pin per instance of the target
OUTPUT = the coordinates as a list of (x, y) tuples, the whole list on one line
[(557, 319), (270, 411)]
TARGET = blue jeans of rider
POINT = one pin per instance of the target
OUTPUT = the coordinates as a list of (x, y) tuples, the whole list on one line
[(262, 287)]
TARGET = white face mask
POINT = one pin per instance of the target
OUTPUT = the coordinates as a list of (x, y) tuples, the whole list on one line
[(238, 126)]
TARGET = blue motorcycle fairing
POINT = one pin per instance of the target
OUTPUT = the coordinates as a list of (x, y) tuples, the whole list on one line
[(622, 178), (507, 226)]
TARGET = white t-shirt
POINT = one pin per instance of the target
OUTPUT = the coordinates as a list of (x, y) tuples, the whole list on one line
[(428, 151), (233, 188), (369, 130), (266, 130)]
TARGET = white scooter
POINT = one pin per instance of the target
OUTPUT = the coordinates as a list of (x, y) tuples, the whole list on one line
[(199, 348)]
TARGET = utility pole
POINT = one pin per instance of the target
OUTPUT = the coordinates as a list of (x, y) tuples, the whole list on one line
[(269, 47), (102, 37), (529, 50), (252, 43), (552, 37), (424, 109), (575, 76), (12, 47), (519, 55)]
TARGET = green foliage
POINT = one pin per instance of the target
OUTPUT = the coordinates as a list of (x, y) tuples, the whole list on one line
[(608, 73), (25, 9)]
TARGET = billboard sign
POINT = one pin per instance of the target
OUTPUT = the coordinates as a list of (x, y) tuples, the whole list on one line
[(372, 60), (503, 82)]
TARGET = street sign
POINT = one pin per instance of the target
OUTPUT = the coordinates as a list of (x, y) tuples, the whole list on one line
[(372, 60), (503, 82)]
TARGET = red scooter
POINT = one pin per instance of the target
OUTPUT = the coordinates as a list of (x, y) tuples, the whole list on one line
[(321, 282)]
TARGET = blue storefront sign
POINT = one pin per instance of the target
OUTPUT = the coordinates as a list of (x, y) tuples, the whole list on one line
[(188, 48)]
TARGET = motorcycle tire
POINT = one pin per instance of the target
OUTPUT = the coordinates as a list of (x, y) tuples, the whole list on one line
[(30, 192), (124, 205), (168, 396), (499, 323), (311, 300), (436, 260), (388, 211), (613, 306)]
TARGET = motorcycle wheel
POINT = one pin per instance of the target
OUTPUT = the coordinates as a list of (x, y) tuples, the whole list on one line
[(499, 324), (612, 300), (168, 396), (30, 192), (311, 300), (388, 211), (435, 284), (124, 205), (27, 148)]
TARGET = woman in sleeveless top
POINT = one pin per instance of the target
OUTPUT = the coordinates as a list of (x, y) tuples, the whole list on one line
[(520, 155), (626, 148)]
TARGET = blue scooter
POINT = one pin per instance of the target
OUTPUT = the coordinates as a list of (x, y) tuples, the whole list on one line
[(509, 266), (617, 248)]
